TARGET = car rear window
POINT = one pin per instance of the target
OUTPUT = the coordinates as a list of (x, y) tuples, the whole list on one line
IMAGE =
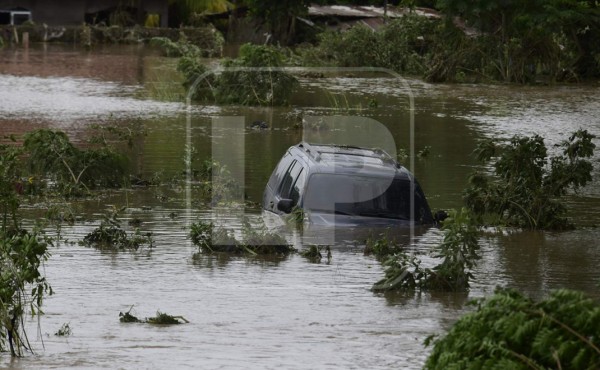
[(382, 197)]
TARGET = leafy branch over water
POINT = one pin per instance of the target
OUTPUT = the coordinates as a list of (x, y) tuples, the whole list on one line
[(459, 251), (510, 331), (22, 253), (527, 186)]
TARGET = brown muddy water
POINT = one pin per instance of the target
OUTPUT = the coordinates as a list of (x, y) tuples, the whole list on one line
[(274, 313)]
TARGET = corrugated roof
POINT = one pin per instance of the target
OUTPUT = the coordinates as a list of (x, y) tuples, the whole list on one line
[(354, 11)]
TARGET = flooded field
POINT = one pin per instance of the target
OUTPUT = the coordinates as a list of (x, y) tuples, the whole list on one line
[(284, 312)]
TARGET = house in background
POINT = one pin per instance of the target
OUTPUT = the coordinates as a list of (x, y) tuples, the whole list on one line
[(75, 12)]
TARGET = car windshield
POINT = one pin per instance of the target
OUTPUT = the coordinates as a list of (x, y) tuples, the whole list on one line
[(364, 196)]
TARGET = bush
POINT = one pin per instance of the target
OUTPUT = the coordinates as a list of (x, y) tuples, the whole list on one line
[(401, 45), (22, 253), (257, 240), (459, 251), (50, 155), (527, 185), (179, 48), (110, 236), (270, 87), (245, 87), (510, 331)]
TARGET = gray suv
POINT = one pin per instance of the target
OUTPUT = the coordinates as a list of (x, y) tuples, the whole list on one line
[(345, 186)]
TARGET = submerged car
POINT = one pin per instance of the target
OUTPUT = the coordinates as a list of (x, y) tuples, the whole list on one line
[(345, 186)]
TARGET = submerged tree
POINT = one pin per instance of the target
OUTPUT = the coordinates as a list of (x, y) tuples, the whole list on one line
[(528, 185)]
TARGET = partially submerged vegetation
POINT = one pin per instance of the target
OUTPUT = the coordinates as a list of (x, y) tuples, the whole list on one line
[(64, 331), (459, 251), (510, 331), (110, 235), (528, 186), (52, 163), (314, 255), (161, 318), (256, 240), (23, 287), (253, 78)]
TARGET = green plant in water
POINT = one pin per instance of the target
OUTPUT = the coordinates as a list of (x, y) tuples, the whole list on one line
[(128, 317), (459, 250), (382, 247), (176, 48), (528, 185), (296, 218), (257, 240), (51, 155), (64, 331), (400, 45), (510, 331), (22, 285), (162, 318), (110, 236), (245, 87), (313, 253)]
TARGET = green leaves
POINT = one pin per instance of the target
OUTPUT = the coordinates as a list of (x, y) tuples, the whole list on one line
[(458, 251), (518, 333), (527, 184), (51, 156), (22, 285)]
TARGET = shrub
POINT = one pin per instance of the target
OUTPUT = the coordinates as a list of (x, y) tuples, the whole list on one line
[(257, 240), (22, 285), (459, 251), (110, 236), (270, 87), (401, 45), (527, 185), (510, 331), (50, 155)]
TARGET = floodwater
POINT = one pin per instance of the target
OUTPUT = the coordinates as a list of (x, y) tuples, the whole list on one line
[(286, 312)]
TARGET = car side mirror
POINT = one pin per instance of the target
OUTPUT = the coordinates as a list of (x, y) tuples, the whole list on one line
[(285, 205), (440, 216)]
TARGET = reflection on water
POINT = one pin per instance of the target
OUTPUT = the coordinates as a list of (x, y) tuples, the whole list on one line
[(276, 312)]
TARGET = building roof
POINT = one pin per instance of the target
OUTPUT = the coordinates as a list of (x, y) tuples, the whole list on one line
[(355, 11)]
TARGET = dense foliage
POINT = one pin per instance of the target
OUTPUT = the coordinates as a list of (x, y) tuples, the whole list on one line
[(510, 331), (253, 78), (528, 185), (401, 45), (518, 40)]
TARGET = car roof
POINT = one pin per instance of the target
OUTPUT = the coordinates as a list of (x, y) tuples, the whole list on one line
[(343, 159)]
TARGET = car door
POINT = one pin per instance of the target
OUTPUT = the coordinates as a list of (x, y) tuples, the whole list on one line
[(291, 186), (275, 182)]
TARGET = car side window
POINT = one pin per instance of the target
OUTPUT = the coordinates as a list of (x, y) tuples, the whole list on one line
[(297, 187), (280, 170), (289, 180)]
